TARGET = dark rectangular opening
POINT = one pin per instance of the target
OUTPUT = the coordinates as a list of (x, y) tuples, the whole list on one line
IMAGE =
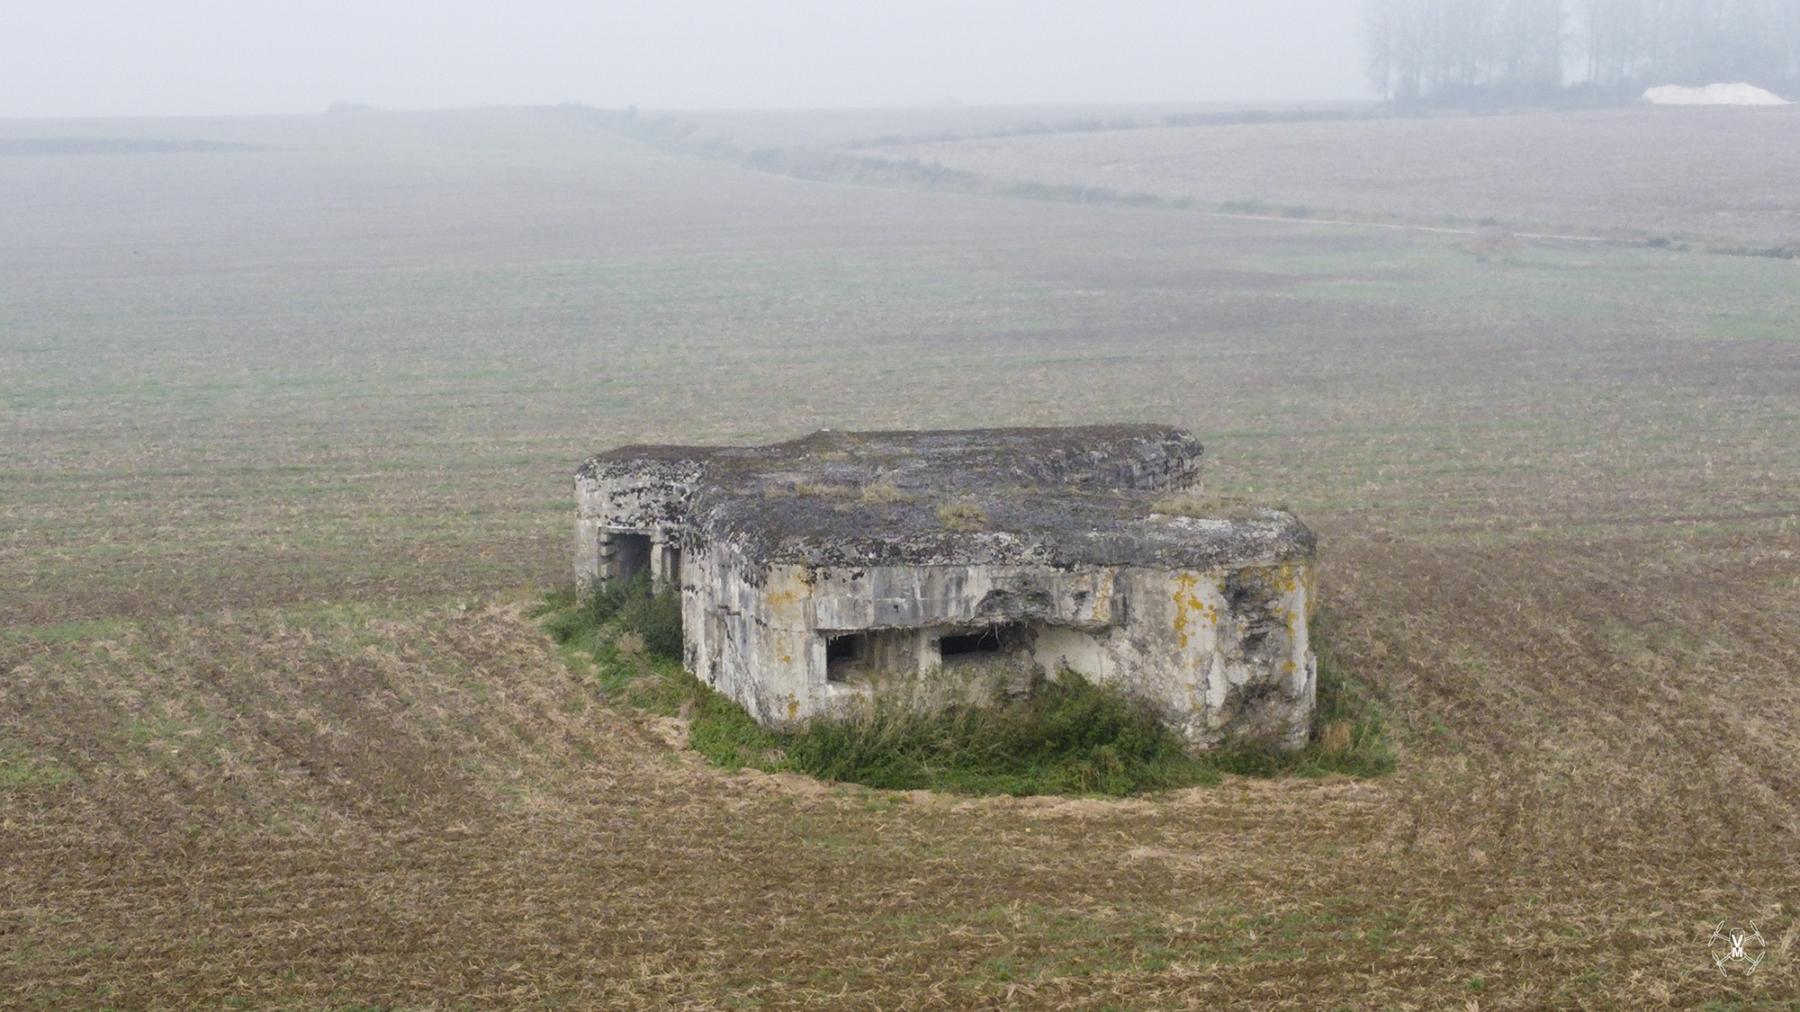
[(978, 643), (631, 555), (843, 653)]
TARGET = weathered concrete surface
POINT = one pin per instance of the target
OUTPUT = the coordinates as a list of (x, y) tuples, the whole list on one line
[(816, 571)]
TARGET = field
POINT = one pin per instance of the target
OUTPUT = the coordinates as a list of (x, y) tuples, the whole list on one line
[(288, 426), (1708, 175)]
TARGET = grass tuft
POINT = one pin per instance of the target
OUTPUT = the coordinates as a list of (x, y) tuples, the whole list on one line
[(1066, 736), (1202, 507), (879, 492), (962, 516), (21, 772)]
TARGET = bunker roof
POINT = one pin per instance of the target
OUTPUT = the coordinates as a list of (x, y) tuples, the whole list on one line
[(1089, 495)]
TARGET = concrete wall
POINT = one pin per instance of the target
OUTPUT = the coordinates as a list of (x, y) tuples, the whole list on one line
[(1223, 655), (610, 505)]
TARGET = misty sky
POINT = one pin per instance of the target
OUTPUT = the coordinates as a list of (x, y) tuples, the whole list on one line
[(172, 57)]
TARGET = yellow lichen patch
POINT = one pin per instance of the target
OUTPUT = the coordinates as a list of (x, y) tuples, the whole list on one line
[(1185, 599), (793, 708), (1284, 578), (1103, 594), (782, 597)]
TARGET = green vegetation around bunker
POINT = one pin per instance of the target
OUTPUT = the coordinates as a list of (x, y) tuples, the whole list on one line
[(1066, 736)]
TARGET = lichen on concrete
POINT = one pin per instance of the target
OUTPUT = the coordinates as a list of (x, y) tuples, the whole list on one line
[(815, 571)]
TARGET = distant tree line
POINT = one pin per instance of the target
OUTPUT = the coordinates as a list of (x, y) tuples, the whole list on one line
[(1474, 51)]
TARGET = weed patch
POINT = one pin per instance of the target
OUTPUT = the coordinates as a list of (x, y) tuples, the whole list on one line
[(21, 772), (963, 517), (630, 608)]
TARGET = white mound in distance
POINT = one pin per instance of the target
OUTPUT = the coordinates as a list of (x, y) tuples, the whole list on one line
[(1713, 94)]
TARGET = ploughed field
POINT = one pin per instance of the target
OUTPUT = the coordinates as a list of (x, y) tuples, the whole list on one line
[(288, 430), (1718, 176)]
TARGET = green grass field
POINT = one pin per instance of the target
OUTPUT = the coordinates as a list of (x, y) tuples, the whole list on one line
[(288, 431)]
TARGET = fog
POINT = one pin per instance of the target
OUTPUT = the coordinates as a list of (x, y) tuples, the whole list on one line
[(194, 57)]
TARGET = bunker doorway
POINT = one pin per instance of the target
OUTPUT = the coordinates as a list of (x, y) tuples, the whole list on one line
[(631, 556)]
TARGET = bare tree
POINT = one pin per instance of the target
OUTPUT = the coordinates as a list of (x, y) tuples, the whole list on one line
[(1381, 27), (1466, 49), (1411, 47), (1531, 45)]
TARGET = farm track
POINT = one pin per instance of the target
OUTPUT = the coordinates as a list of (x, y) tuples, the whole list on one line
[(1394, 227)]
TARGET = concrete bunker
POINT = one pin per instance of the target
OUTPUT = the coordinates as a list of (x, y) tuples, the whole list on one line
[(817, 572)]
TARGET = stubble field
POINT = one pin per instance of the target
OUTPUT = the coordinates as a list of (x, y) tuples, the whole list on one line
[(288, 432)]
